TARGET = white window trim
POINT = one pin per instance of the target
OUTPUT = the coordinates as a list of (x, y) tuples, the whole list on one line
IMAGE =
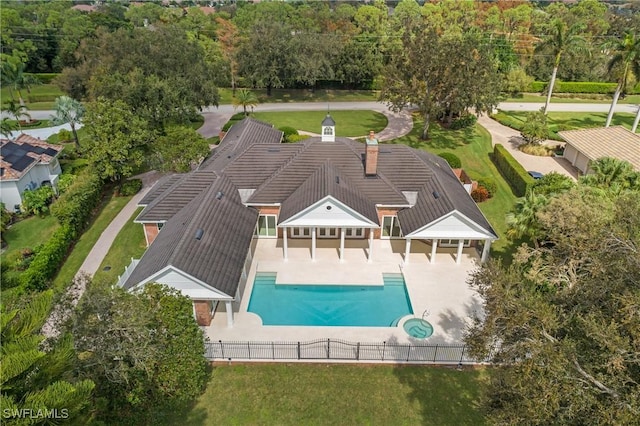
[(275, 221), (394, 223), (453, 242)]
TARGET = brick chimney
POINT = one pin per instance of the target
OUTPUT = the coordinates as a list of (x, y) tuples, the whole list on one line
[(371, 155)]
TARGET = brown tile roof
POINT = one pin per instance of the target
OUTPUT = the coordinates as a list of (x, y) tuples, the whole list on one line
[(614, 141), (165, 205), (17, 157), (270, 157), (160, 187), (327, 180), (218, 257)]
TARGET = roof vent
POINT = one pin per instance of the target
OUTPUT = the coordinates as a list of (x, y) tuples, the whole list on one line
[(436, 194), (199, 233), (219, 195), (338, 180)]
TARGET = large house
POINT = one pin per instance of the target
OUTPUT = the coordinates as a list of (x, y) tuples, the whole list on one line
[(200, 226), (26, 163)]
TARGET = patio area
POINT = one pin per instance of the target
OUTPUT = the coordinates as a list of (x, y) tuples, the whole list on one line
[(439, 288)]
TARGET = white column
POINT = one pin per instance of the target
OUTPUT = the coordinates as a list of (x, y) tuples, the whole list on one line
[(485, 251), (284, 242), (370, 258), (229, 306), (313, 243), (434, 246), (407, 250), (459, 255), (342, 232)]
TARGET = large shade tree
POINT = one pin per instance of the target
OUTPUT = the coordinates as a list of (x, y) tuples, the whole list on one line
[(625, 61)]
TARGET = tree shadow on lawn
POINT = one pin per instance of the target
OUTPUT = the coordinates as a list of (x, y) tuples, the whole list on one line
[(446, 395)]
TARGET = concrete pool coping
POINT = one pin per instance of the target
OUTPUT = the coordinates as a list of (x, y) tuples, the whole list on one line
[(440, 288)]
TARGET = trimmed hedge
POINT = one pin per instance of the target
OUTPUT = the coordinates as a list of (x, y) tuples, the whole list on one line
[(130, 187), (579, 87), (511, 170), (452, 159), (48, 259), (44, 77), (74, 207)]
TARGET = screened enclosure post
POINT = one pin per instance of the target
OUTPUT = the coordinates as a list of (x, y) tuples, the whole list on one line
[(409, 352), (435, 354), (462, 354), (384, 346), (249, 349), (298, 350), (221, 348), (328, 348), (273, 351), (358, 352)]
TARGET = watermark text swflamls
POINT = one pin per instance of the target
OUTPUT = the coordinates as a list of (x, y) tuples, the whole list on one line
[(29, 413)]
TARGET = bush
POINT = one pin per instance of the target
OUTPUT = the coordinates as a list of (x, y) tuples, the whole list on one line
[(463, 121), (130, 187), (74, 207), (288, 132), (48, 259), (480, 194), (575, 87), (228, 125), (516, 81), (296, 138), (65, 181), (44, 77), (452, 159), (511, 170), (64, 135), (538, 150), (535, 129), (38, 200), (238, 116), (489, 184)]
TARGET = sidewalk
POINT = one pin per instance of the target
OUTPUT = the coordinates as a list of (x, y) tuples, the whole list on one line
[(511, 139)]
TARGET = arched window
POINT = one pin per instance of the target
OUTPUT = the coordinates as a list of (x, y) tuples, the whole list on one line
[(328, 131)]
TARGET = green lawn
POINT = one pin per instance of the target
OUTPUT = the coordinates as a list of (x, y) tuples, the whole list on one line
[(348, 123), (472, 146), (129, 242), (42, 96), (559, 121), (320, 394), (28, 233), (601, 99), (110, 208), (302, 95)]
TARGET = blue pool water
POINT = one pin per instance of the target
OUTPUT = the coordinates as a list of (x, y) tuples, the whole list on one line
[(330, 305)]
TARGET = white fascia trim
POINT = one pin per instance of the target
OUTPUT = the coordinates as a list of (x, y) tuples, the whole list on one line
[(263, 204), (394, 206), (329, 197), (149, 221), (452, 213), (153, 277)]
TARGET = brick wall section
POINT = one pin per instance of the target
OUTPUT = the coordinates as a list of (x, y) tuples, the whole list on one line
[(203, 312), (151, 232), (383, 212), (371, 160)]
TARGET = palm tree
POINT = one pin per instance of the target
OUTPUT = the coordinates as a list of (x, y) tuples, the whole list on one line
[(17, 111), (561, 40), (14, 77), (609, 172), (523, 221), (626, 60), (6, 128), (245, 98), (68, 110)]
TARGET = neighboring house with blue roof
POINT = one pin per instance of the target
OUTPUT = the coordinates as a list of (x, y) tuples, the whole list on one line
[(201, 226), (26, 163)]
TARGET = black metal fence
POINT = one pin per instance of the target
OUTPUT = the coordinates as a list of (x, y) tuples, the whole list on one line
[(329, 349)]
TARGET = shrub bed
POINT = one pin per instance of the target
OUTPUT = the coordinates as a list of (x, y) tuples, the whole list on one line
[(511, 170)]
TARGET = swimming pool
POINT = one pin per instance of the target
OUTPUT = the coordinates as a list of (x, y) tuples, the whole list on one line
[(329, 305)]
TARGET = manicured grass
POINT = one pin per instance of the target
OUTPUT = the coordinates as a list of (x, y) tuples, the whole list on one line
[(302, 95), (473, 146), (601, 99), (348, 123), (42, 96), (129, 243), (300, 394), (559, 121), (110, 208), (28, 233)]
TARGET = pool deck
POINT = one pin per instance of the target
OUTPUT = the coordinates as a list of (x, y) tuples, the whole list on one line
[(439, 288)]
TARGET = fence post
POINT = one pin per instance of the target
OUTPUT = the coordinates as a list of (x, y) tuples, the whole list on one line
[(358, 352), (249, 349), (328, 348), (384, 347), (221, 348), (298, 350), (273, 351), (462, 354), (435, 354), (409, 352)]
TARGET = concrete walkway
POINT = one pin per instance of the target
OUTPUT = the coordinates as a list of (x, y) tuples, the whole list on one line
[(62, 310), (511, 139)]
